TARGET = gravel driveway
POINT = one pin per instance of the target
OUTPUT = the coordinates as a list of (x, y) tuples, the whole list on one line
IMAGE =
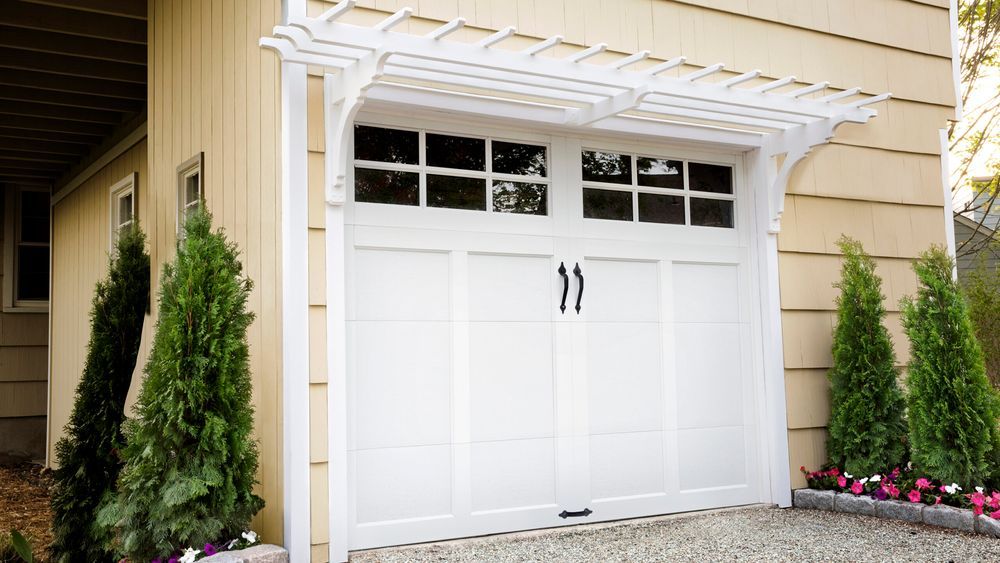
[(746, 534)]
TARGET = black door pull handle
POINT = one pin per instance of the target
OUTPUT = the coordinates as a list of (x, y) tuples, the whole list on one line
[(579, 274), (585, 512), (562, 272)]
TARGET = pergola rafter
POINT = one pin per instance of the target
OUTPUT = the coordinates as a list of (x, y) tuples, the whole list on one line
[(480, 78)]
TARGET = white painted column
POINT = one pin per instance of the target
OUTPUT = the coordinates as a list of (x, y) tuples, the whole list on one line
[(295, 310)]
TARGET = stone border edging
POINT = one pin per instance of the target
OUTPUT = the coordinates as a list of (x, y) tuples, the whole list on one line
[(256, 554), (938, 515)]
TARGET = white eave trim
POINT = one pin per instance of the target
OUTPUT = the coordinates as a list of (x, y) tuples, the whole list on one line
[(376, 63)]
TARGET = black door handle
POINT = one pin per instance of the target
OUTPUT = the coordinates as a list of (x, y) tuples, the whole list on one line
[(579, 274), (575, 514), (562, 272)]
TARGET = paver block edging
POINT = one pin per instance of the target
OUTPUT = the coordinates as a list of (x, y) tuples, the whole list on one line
[(988, 526), (257, 554), (811, 498), (950, 517), (853, 504), (900, 510)]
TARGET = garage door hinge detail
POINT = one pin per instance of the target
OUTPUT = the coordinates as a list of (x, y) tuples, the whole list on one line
[(585, 512)]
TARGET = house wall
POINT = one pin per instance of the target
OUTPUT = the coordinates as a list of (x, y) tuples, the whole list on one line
[(212, 89), (23, 345), (880, 182), (81, 240), (967, 262)]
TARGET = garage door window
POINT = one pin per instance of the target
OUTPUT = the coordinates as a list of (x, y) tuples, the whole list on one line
[(420, 168), (649, 189)]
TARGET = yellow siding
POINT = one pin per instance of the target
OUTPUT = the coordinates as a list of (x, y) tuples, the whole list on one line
[(23, 378), (81, 239), (879, 182), (212, 89)]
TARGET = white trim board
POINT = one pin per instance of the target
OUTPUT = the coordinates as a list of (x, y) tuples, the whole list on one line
[(114, 152)]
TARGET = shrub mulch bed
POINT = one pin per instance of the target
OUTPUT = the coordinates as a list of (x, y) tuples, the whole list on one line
[(24, 503)]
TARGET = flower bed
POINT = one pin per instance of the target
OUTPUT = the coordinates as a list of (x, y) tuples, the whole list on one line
[(190, 555), (904, 495)]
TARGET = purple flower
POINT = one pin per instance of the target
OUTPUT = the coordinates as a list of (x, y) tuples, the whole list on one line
[(880, 494), (172, 559), (210, 549), (157, 560)]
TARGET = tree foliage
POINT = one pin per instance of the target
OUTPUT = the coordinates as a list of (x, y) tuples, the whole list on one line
[(975, 138), (982, 291), (867, 429), (87, 457), (953, 410), (191, 460)]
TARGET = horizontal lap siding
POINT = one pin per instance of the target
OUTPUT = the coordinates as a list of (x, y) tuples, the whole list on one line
[(80, 244), (212, 89), (879, 182)]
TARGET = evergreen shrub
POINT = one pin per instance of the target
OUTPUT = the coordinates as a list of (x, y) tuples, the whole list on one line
[(953, 410), (867, 431), (87, 457), (190, 459), (982, 292)]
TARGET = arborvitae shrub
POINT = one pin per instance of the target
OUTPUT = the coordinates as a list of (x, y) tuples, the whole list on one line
[(953, 410), (982, 291), (191, 460), (867, 428), (87, 457)]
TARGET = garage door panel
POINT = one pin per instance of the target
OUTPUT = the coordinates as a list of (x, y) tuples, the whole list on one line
[(511, 380), (510, 288), (706, 293), (709, 377), (402, 285), (624, 377), (712, 458), (513, 474), (626, 465), (402, 483), (401, 385), (621, 290)]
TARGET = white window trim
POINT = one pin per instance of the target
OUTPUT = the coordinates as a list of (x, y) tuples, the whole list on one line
[(188, 168), (10, 303), (121, 188)]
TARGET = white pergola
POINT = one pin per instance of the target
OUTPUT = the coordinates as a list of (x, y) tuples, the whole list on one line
[(377, 63)]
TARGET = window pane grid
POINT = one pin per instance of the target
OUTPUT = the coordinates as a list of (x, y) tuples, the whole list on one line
[(501, 192), (710, 203)]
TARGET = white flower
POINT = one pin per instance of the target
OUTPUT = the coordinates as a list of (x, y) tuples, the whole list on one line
[(952, 488), (980, 489), (848, 475), (909, 465), (863, 481), (189, 555), (231, 544), (876, 478), (250, 536)]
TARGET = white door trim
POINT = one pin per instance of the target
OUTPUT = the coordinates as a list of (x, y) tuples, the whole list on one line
[(756, 170)]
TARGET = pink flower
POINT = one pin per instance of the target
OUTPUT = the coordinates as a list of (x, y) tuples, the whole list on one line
[(923, 484), (977, 499), (834, 472), (977, 510), (937, 500), (841, 481), (857, 488), (892, 489), (995, 500), (995, 515), (942, 489), (914, 495)]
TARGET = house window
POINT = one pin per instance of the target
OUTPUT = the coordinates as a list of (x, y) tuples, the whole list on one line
[(26, 249), (190, 187), (653, 189), (428, 169), (122, 205)]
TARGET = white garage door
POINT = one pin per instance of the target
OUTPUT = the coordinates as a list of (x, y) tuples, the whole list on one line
[(543, 331)]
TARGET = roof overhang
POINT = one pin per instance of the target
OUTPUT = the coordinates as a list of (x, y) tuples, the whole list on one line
[(378, 64)]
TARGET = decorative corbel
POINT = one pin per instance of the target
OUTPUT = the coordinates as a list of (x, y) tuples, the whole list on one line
[(794, 144), (344, 94)]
